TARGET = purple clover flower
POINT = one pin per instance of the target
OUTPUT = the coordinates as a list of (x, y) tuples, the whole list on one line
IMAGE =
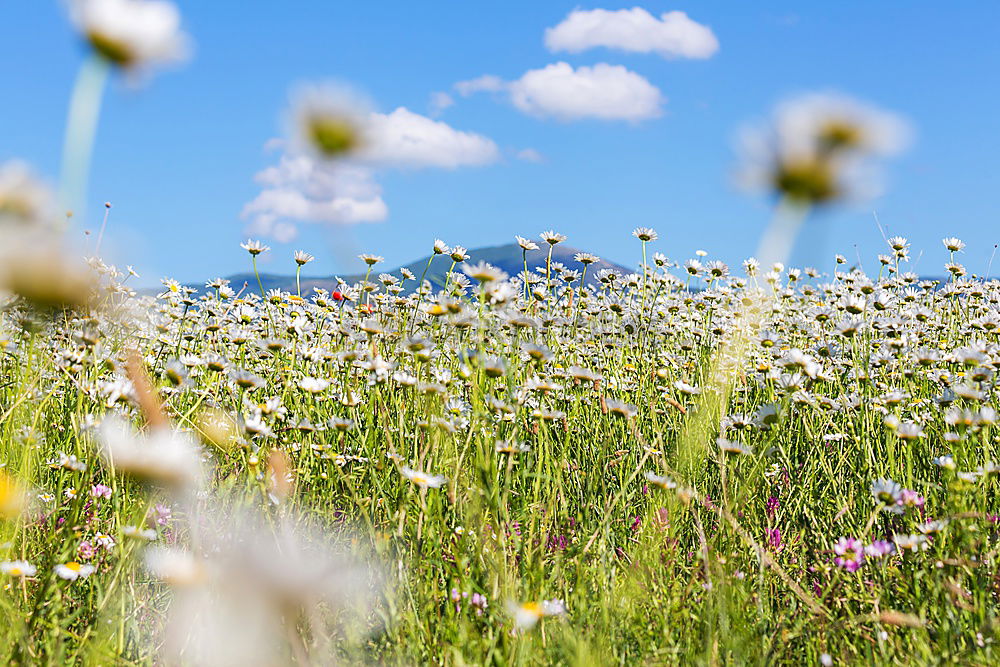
[(850, 553), (879, 548), (774, 538)]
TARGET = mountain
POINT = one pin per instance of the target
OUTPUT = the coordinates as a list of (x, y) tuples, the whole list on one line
[(506, 257)]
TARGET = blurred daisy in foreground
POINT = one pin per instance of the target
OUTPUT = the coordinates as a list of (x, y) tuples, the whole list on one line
[(527, 614), (174, 566), (257, 585), (162, 456), (422, 479), (660, 481), (329, 120), (72, 570), (131, 33), (37, 266), (18, 568), (24, 200), (817, 148), (12, 497)]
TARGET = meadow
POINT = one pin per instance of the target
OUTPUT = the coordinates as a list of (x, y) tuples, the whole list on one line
[(691, 463), (503, 470)]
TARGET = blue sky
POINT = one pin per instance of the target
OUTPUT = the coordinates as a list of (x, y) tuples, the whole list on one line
[(177, 157)]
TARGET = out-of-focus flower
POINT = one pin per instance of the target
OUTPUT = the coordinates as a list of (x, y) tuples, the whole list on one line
[(479, 603), (879, 548), (888, 494), (160, 514), (131, 33), (330, 120), (944, 461), (313, 385), (526, 615), (850, 553), (818, 146), (422, 479), (217, 427), (732, 447), (71, 571), (162, 456), (100, 491), (18, 568), (909, 498), (511, 447), (238, 599), (620, 408), (35, 266), (85, 551), (24, 200), (135, 532), (174, 566), (12, 497), (912, 543), (660, 481)]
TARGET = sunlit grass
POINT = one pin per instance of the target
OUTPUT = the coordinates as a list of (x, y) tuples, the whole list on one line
[(498, 456)]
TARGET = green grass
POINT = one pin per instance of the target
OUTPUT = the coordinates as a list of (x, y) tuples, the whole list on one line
[(692, 575)]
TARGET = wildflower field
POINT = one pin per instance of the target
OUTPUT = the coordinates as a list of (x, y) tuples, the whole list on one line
[(688, 463), (506, 472)]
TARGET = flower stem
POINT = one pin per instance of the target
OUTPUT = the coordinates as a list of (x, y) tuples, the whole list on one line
[(253, 258), (81, 129), (100, 234), (700, 425), (420, 293)]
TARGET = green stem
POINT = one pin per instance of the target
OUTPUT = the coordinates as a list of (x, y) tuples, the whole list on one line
[(364, 285), (524, 259), (253, 258), (81, 129), (420, 293), (643, 293), (548, 269), (100, 234)]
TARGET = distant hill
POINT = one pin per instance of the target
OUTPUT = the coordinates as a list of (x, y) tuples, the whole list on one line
[(506, 257)]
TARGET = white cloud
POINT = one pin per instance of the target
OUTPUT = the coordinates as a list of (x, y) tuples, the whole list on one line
[(486, 83), (606, 92), (406, 139), (439, 102), (673, 35), (302, 188), (274, 144), (530, 155)]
